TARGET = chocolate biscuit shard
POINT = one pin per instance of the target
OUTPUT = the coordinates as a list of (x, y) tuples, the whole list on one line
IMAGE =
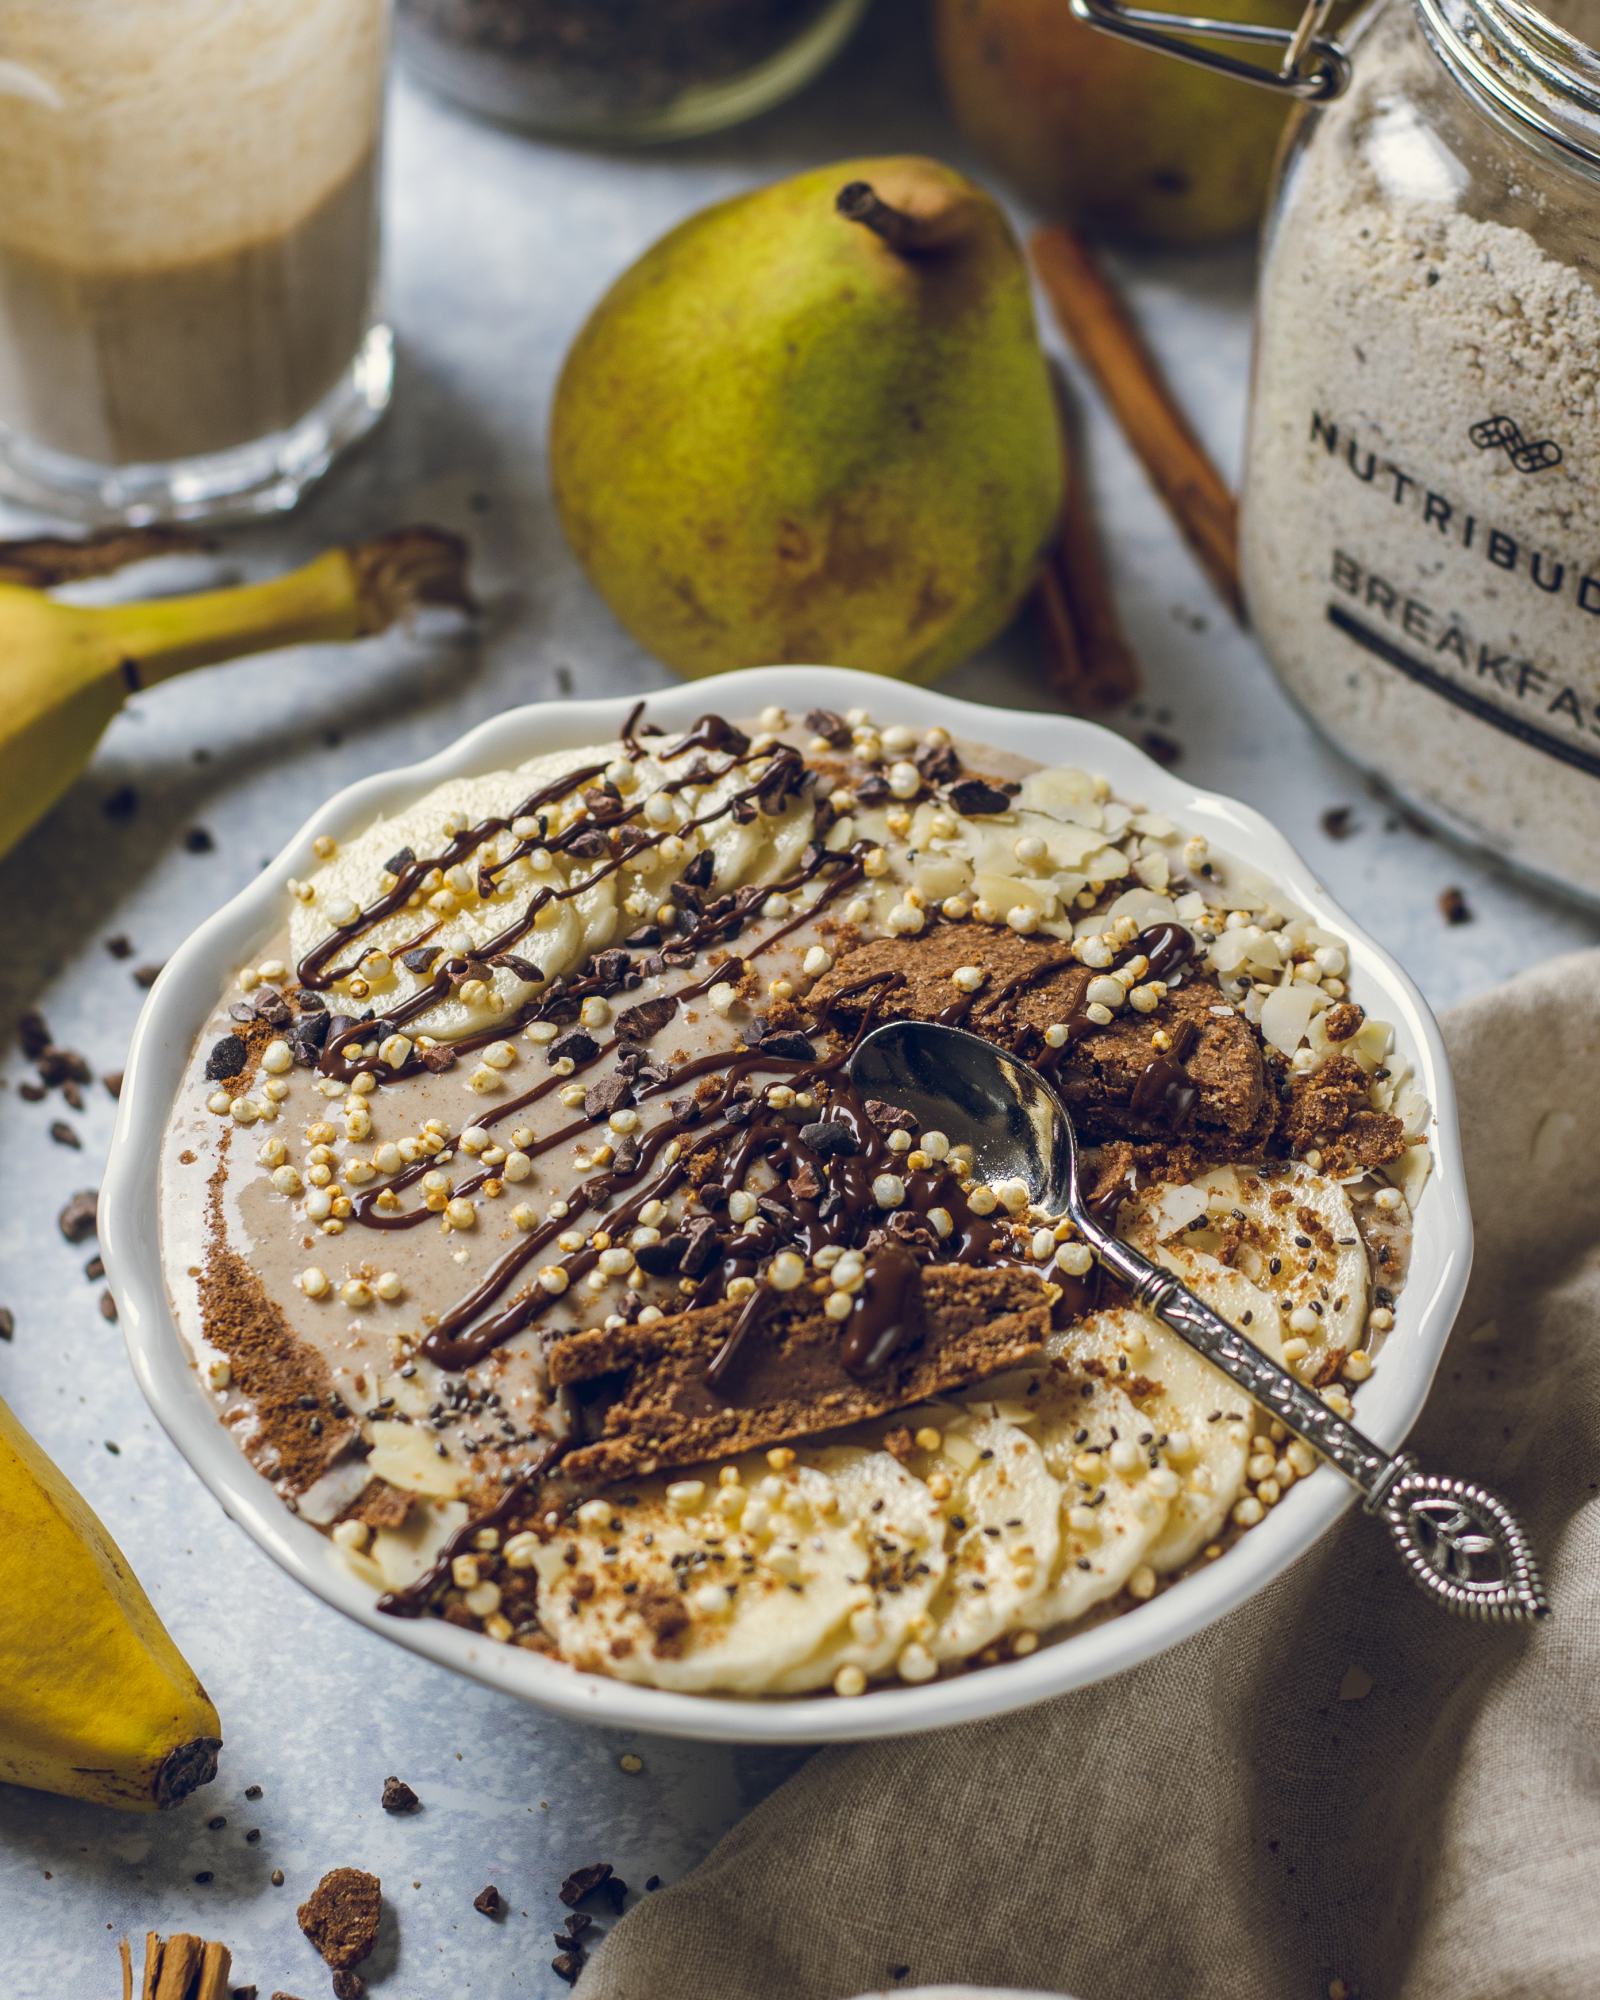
[(655, 1409), (1104, 1074)]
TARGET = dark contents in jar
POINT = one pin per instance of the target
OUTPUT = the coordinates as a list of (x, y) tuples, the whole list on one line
[(601, 58)]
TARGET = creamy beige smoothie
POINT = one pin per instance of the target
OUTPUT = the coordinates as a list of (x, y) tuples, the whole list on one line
[(188, 218)]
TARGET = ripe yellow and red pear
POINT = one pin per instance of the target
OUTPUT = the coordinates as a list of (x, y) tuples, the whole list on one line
[(1098, 131)]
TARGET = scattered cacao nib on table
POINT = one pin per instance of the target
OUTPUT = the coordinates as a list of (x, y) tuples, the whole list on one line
[(77, 1220), (595, 1878), (398, 1797), (488, 1902), (1454, 907)]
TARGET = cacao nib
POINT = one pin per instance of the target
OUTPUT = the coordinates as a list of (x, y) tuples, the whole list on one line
[(227, 1058), (831, 727), (829, 1139), (977, 795), (648, 1017)]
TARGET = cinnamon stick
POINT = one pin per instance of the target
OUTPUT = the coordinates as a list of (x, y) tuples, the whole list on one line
[(216, 1961), (44, 562), (179, 1962), (184, 1967), (1064, 662), (1095, 320)]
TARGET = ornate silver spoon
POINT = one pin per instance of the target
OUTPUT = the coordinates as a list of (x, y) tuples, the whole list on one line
[(1459, 1541)]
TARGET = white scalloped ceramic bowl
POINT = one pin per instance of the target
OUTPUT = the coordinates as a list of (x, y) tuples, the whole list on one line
[(183, 996)]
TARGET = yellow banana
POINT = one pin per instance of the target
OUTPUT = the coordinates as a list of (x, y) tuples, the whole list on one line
[(96, 1702), (65, 669)]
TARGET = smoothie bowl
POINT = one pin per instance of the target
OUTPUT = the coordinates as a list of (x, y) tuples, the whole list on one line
[(525, 1273)]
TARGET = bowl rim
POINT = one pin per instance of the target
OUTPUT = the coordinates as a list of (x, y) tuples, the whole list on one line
[(186, 993)]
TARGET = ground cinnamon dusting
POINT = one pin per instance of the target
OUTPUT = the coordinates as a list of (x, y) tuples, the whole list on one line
[(275, 1372)]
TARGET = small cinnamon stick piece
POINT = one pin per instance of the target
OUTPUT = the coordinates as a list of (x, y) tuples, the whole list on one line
[(1096, 322), (179, 1963), (46, 561), (216, 1962), (185, 1967)]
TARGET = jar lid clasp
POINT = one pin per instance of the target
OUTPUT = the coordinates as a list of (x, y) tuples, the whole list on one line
[(1313, 66)]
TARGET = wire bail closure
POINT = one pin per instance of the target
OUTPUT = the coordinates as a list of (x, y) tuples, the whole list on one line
[(1313, 67)]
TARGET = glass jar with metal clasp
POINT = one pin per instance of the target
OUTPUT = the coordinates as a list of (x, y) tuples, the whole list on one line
[(1420, 523)]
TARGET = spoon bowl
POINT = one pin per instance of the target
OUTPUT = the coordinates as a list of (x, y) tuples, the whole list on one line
[(955, 1082)]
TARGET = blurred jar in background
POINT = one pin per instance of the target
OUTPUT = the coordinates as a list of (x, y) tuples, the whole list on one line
[(189, 239), (622, 71)]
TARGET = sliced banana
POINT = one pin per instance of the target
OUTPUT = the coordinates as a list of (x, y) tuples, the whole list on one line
[(904, 1529), (1206, 1422), (1114, 1505), (1291, 1232), (1003, 1521), (569, 928), (692, 1591), (351, 877), (761, 849)]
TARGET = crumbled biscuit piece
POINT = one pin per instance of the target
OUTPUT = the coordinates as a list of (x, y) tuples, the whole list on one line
[(341, 1916), (1330, 1112)]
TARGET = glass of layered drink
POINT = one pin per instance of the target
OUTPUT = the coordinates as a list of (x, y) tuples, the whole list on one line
[(189, 237)]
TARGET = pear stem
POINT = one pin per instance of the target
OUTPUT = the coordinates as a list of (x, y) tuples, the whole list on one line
[(906, 233)]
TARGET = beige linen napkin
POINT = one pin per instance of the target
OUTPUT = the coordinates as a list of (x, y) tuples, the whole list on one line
[(1337, 1783)]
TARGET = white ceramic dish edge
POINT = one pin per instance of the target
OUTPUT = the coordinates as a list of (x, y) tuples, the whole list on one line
[(188, 988)]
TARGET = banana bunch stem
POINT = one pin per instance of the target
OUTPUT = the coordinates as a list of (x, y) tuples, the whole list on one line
[(65, 669)]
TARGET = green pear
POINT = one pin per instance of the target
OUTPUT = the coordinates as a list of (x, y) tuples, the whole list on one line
[(814, 424)]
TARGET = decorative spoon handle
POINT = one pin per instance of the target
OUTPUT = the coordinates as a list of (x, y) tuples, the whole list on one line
[(1459, 1541)]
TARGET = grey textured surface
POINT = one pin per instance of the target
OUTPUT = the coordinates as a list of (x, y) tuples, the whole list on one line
[(497, 249)]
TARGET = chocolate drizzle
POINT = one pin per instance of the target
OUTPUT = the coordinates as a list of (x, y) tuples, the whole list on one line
[(812, 1175), (888, 1312), (413, 1599)]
